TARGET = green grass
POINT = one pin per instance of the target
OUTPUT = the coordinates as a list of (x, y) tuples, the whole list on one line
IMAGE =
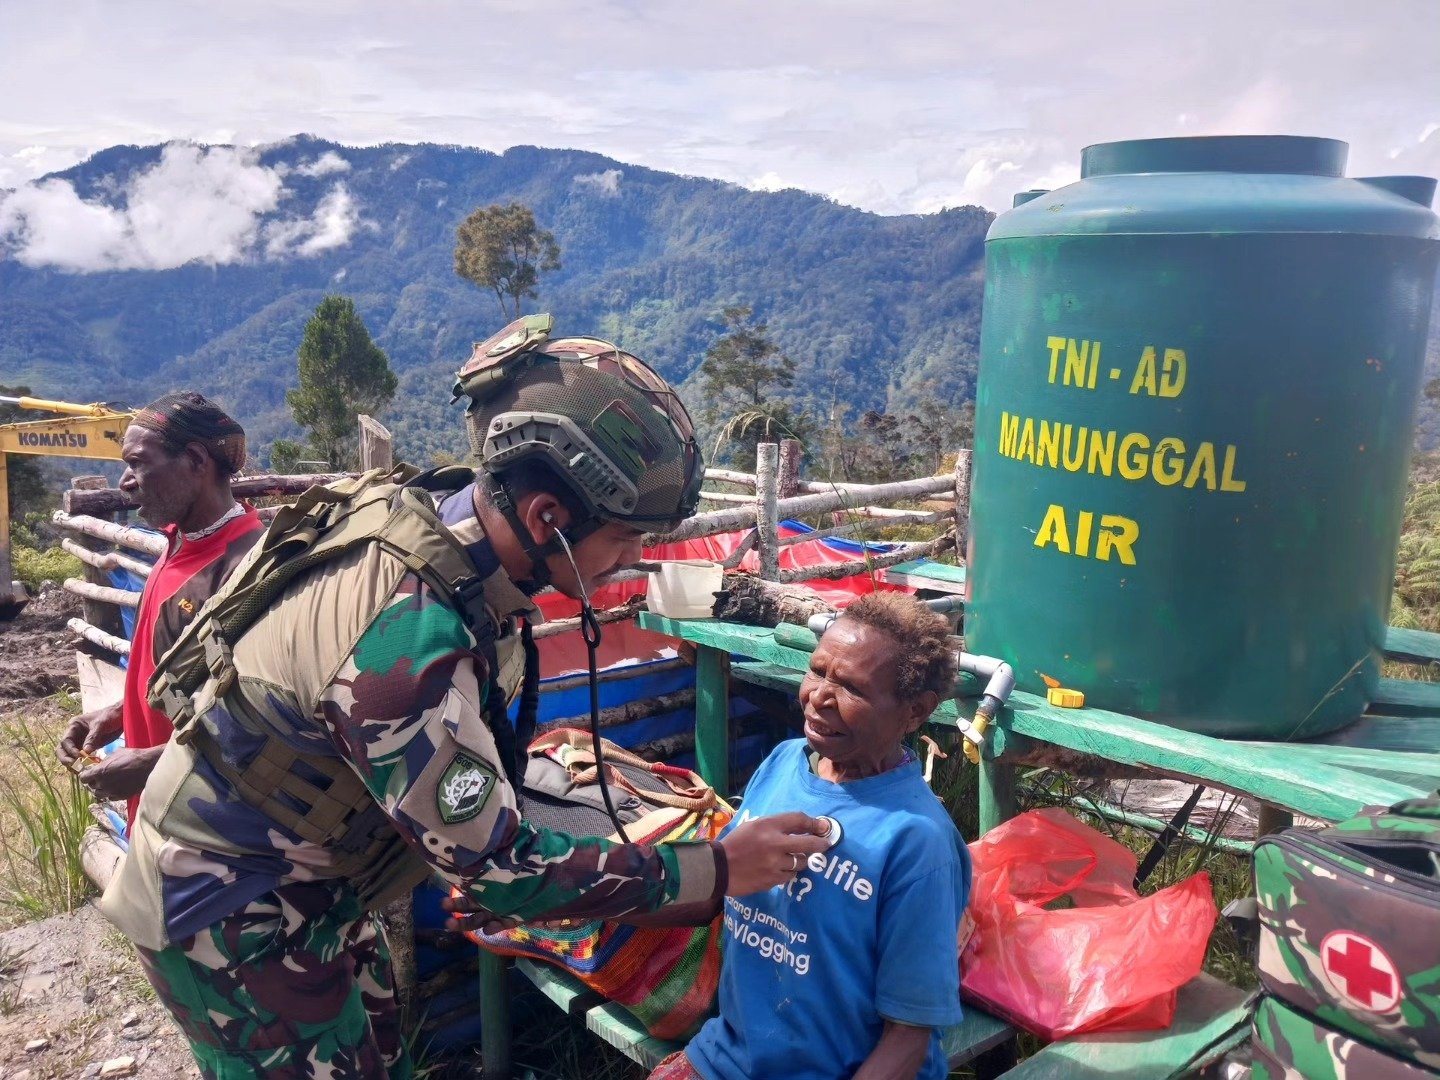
[(33, 567), (44, 813)]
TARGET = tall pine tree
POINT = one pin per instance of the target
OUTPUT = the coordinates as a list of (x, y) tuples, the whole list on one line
[(741, 377), (342, 374)]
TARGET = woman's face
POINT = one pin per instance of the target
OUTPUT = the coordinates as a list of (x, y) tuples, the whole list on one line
[(853, 718)]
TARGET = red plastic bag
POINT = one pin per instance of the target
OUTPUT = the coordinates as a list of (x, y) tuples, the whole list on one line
[(1113, 962)]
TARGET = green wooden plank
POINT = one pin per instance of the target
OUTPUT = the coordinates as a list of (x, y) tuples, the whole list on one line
[(559, 986), (1411, 646), (773, 676), (494, 994), (976, 1033), (621, 1030), (1315, 789), (1357, 757), (931, 577), (924, 568), (1406, 697), (1411, 734), (1269, 772), (609, 1021), (1210, 1018), (712, 717), (753, 641)]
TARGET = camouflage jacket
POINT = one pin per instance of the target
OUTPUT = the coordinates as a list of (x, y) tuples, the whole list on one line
[(361, 661)]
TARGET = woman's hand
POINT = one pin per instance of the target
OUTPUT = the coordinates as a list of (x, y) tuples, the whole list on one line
[(88, 733), (769, 851), (121, 774)]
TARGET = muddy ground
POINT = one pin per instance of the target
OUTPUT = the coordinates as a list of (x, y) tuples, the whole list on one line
[(37, 652)]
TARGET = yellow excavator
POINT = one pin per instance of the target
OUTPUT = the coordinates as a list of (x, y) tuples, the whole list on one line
[(80, 431)]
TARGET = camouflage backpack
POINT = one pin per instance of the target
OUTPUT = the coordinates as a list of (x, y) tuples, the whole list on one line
[(1350, 947), (396, 511)]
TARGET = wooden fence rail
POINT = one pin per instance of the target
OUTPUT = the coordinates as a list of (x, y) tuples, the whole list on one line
[(777, 494)]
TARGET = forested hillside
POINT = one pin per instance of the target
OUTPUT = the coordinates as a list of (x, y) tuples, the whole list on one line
[(147, 269), (877, 312)]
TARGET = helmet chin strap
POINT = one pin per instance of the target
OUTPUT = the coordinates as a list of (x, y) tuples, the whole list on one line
[(539, 553), (590, 631)]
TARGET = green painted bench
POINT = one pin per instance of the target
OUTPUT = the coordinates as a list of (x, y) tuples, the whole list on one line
[(1210, 1018), (1386, 756)]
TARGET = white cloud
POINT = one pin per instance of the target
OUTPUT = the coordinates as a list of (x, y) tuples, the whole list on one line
[(898, 108), (767, 181), (331, 225), (195, 204), (326, 164), (606, 183)]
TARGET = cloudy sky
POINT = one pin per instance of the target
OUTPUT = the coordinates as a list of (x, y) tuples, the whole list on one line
[(890, 105)]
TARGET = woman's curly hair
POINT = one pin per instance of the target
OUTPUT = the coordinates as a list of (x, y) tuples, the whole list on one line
[(925, 657)]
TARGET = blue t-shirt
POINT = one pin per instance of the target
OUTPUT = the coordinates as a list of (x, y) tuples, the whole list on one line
[(865, 934)]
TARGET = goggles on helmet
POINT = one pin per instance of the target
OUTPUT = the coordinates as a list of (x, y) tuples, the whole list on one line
[(607, 455)]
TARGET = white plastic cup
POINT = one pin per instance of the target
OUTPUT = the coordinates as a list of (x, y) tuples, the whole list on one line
[(684, 589)]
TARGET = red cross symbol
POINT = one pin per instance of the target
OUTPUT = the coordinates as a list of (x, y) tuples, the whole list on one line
[(1359, 971)]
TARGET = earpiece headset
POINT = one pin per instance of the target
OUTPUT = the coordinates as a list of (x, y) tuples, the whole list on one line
[(590, 631)]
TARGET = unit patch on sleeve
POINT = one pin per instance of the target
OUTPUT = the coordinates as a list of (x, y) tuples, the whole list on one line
[(464, 788)]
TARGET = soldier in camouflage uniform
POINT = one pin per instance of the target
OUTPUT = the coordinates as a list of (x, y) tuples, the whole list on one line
[(256, 925)]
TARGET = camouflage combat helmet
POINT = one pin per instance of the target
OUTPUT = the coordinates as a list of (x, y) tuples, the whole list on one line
[(600, 418)]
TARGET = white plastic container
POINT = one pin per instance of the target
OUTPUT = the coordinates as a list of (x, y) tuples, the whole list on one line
[(684, 588)]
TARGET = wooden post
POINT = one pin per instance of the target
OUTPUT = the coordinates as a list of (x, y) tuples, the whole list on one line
[(1272, 819), (494, 1016), (962, 506), (788, 483), (376, 452), (996, 793), (97, 613), (712, 716), (377, 449), (767, 467), (399, 918)]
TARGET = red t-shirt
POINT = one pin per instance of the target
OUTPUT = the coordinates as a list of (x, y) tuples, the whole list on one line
[(182, 580)]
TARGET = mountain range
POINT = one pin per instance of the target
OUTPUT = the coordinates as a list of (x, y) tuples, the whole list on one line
[(147, 269)]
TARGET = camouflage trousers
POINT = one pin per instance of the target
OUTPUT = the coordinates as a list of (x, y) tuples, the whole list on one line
[(294, 986)]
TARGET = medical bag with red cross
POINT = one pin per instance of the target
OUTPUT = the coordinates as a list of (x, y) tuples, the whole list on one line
[(1350, 944)]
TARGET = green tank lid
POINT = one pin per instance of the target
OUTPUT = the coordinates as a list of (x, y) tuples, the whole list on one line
[(1272, 184), (1295, 154)]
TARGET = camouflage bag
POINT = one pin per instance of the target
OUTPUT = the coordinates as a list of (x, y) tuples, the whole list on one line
[(1289, 1045), (1350, 933)]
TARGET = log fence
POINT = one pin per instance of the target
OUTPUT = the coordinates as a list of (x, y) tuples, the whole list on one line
[(94, 516)]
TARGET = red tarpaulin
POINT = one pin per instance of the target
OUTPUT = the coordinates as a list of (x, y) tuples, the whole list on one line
[(626, 641)]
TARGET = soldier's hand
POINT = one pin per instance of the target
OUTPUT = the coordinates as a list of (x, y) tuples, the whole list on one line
[(769, 851), (469, 915)]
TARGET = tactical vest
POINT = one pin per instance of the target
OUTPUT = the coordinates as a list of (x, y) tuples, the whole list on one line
[(397, 513)]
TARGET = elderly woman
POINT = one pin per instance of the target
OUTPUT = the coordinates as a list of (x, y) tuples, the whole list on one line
[(850, 969)]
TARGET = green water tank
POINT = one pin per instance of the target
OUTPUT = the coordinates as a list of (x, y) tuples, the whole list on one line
[(1200, 368)]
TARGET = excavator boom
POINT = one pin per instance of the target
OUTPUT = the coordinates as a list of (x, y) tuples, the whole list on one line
[(81, 431)]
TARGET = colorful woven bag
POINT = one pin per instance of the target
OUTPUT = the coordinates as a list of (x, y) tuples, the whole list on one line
[(665, 977)]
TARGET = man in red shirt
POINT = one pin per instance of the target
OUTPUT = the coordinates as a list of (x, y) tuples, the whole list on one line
[(180, 453)]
